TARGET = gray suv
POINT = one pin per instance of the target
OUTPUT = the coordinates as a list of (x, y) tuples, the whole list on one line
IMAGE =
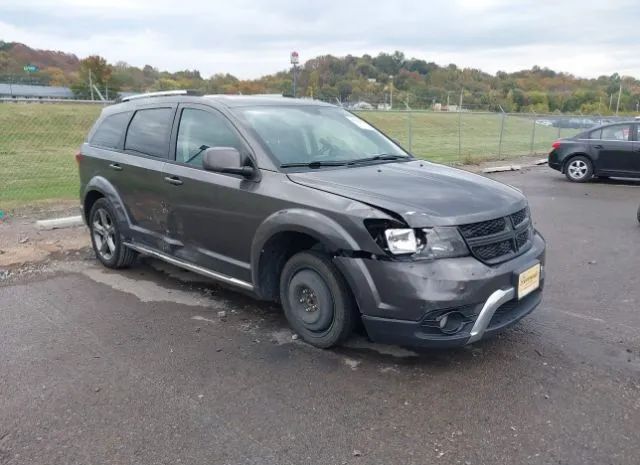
[(305, 204)]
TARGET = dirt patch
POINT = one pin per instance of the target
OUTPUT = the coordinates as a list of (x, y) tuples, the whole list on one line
[(21, 242)]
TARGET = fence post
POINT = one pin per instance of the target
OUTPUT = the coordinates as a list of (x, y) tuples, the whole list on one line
[(533, 134), (410, 127), (501, 132)]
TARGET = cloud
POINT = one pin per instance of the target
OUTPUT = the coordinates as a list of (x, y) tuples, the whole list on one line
[(250, 37)]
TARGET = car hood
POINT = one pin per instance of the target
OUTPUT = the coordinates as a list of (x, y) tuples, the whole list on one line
[(422, 193)]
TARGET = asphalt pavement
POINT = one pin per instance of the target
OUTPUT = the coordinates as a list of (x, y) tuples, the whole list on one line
[(154, 365)]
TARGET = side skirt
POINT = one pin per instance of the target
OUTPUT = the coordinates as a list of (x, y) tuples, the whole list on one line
[(191, 267)]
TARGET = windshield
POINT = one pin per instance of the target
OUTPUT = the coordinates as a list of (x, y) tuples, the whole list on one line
[(317, 136)]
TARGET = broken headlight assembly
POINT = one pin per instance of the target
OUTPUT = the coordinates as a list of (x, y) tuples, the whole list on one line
[(427, 243)]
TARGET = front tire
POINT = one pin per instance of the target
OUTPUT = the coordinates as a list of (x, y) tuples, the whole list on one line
[(316, 299), (579, 169), (106, 238)]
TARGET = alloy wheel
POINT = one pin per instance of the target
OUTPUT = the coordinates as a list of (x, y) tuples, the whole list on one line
[(577, 169), (104, 234)]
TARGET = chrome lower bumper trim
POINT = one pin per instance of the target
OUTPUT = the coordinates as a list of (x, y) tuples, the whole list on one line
[(495, 301), (189, 266)]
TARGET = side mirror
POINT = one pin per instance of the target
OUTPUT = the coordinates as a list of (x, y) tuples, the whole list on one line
[(225, 160)]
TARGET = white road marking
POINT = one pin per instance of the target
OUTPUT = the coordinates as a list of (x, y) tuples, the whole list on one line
[(201, 318), (582, 317)]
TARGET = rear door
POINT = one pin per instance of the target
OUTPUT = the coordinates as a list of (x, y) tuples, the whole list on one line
[(138, 173), (612, 149), (636, 150), (212, 216)]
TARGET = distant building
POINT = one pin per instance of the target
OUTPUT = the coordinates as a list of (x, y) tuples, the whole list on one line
[(437, 107), (34, 92)]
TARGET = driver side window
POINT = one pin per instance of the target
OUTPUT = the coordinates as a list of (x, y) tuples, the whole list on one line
[(200, 130)]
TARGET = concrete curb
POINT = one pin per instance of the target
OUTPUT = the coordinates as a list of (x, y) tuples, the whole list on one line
[(59, 223), (499, 169)]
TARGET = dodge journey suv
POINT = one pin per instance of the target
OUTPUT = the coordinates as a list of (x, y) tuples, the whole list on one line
[(305, 204)]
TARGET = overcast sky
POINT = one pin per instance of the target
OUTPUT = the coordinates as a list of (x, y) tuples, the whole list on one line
[(249, 38)]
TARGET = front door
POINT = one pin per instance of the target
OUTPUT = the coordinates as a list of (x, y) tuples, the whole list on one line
[(212, 216), (612, 149)]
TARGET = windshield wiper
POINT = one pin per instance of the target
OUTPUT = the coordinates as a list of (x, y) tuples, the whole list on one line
[(314, 164), (379, 157)]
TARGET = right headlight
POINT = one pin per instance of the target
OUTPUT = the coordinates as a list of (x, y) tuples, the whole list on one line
[(441, 242), (426, 243)]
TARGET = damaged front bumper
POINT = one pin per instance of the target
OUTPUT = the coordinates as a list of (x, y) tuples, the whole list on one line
[(404, 303)]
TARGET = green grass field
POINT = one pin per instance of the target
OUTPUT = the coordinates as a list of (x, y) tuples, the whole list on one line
[(434, 136), (38, 143), (37, 147)]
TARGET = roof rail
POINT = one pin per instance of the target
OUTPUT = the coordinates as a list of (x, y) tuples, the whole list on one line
[(162, 93)]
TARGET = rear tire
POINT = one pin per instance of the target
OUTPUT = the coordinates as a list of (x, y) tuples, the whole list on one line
[(579, 169), (638, 214), (106, 238), (317, 300)]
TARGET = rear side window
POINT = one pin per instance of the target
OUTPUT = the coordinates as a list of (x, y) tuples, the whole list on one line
[(597, 134), (110, 131), (149, 132), (617, 132)]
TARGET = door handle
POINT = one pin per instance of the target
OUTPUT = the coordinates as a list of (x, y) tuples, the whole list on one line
[(597, 146), (176, 181), (115, 166)]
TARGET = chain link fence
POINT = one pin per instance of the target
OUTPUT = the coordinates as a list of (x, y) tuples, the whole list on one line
[(38, 142), (472, 137)]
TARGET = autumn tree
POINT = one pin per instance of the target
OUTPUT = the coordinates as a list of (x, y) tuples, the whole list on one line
[(95, 70)]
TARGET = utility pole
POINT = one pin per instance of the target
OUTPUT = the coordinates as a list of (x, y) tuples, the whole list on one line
[(295, 59), (390, 92), (90, 83), (460, 124), (619, 92)]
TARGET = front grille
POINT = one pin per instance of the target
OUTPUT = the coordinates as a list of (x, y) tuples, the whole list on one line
[(485, 228), (499, 239), (518, 217), (522, 238), (488, 252)]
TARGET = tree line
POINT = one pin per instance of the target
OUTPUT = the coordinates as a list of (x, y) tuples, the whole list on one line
[(374, 80)]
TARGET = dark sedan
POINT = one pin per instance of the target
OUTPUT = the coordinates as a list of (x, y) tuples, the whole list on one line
[(604, 151)]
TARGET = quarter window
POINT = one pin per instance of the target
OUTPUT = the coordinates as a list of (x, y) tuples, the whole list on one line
[(617, 132), (200, 130), (109, 133), (149, 132)]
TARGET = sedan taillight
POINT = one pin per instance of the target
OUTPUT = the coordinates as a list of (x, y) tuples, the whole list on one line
[(556, 144)]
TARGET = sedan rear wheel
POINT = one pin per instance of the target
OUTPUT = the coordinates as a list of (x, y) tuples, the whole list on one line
[(579, 169)]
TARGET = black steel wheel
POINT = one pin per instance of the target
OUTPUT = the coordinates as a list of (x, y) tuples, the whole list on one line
[(316, 299)]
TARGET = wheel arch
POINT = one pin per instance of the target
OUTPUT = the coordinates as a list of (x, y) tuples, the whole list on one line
[(285, 233), (99, 187)]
